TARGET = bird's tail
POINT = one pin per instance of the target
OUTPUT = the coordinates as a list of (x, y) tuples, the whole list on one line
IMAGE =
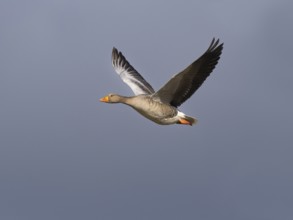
[(186, 120), (191, 120)]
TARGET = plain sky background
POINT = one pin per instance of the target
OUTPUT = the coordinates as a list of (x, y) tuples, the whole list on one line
[(65, 155)]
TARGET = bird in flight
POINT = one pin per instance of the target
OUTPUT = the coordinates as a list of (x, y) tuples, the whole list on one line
[(161, 106)]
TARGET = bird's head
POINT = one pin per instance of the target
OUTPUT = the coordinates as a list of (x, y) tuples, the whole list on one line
[(111, 98)]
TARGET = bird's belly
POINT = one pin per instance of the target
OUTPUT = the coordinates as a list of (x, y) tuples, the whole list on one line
[(158, 116)]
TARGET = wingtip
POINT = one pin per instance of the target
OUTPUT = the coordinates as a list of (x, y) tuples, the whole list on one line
[(115, 55), (215, 44), (114, 50)]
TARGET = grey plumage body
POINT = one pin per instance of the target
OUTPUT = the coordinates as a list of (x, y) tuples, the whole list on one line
[(156, 111)]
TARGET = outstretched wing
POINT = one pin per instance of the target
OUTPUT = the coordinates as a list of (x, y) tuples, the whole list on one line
[(129, 75), (182, 86)]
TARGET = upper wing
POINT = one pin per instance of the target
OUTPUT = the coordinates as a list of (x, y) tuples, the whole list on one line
[(180, 87), (129, 75)]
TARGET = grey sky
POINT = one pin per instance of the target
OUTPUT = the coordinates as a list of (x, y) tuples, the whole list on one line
[(64, 155)]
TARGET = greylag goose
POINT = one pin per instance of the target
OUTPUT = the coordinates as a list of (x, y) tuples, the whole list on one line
[(161, 106)]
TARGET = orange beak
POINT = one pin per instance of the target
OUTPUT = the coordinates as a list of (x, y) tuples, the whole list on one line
[(105, 99)]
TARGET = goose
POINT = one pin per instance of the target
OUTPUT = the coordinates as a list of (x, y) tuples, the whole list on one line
[(161, 106)]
